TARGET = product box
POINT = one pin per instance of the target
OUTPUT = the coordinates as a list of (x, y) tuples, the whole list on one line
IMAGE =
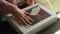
[(42, 18)]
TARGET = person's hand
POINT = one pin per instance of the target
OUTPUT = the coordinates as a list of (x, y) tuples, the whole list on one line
[(29, 2), (22, 18), (20, 15)]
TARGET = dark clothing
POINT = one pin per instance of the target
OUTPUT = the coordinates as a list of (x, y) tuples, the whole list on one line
[(6, 28)]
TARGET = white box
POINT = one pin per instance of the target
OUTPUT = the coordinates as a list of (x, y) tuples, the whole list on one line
[(48, 17)]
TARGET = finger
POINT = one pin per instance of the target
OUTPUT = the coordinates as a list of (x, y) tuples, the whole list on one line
[(27, 13), (18, 20), (28, 18), (24, 21)]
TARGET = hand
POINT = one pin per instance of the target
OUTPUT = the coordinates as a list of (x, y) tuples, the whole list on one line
[(29, 2), (22, 18), (20, 15)]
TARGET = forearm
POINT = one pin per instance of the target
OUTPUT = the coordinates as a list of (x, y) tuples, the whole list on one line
[(11, 8)]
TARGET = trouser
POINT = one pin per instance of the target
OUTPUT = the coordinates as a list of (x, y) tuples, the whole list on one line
[(6, 28)]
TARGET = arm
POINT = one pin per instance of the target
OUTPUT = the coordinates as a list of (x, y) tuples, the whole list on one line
[(6, 7), (19, 14)]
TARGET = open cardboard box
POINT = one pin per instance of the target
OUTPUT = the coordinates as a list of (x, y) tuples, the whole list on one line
[(42, 18)]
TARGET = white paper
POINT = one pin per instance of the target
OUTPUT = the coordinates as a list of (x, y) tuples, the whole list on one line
[(35, 11)]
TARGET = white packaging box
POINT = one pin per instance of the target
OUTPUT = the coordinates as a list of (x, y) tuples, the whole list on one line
[(50, 18)]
